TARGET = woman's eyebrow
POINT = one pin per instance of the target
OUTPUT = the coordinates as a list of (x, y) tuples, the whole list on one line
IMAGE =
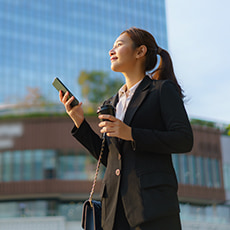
[(117, 42)]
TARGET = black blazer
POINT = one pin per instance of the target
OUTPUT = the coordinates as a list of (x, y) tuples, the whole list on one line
[(142, 170)]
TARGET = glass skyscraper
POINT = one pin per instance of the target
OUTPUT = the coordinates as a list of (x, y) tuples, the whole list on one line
[(40, 40)]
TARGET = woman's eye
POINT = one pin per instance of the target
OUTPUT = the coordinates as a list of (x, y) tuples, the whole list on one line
[(119, 44)]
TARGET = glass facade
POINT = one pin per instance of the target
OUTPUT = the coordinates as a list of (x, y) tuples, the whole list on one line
[(39, 164), (225, 146), (47, 164), (41, 208), (196, 170), (44, 39), (205, 214), (226, 171)]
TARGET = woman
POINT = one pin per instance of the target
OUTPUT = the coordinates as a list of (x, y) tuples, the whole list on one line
[(139, 187)]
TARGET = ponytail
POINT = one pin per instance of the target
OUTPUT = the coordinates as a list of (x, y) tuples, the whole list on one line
[(165, 69)]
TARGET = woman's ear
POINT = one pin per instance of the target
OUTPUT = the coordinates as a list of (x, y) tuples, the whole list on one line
[(141, 51)]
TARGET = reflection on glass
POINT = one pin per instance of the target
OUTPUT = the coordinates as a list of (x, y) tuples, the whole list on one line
[(192, 170), (72, 211), (17, 164), (38, 165), (216, 173), (226, 169), (27, 165), (50, 164), (176, 165), (205, 214), (76, 167), (7, 166), (184, 166), (198, 171), (1, 166), (8, 209)]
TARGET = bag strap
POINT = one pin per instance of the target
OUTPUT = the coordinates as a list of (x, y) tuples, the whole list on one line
[(97, 171)]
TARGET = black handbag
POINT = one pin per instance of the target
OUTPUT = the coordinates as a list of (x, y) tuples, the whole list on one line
[(91, 211), (91, 215)]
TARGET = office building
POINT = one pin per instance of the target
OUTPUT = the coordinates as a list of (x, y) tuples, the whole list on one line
[(44, 39), (46, 173)]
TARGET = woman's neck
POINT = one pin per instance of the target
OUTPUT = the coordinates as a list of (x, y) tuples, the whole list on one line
[(132, 78)]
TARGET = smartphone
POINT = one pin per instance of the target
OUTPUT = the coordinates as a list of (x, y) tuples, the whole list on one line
[(60, 86)]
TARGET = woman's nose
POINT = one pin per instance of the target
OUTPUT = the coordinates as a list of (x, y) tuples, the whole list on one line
[(111, 52)]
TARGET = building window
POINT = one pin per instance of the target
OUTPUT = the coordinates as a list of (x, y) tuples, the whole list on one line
[(226, 170), (216, 173), (196, 170), (199, 171), (50, 164), (208, 172), (38, 165), (27, 165), (202, 172), (192, 170), (76, 167), (72, 210), (7, 166), (175, 158), (1, 166), (17, 166), (184, 173)]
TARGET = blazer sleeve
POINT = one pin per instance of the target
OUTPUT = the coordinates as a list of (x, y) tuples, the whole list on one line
[(90, 140), (177, 136)]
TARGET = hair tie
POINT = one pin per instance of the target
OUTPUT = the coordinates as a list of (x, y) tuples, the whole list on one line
[(159, 50)]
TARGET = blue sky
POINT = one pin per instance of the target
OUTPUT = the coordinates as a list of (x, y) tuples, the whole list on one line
[(199, 43)]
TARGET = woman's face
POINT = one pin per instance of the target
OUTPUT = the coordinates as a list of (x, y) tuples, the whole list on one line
[(123, 54)]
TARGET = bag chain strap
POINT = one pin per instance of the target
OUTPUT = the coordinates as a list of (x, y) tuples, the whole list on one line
[(96, 173)]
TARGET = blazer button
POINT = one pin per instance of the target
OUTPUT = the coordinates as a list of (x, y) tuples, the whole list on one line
[(117, 172)]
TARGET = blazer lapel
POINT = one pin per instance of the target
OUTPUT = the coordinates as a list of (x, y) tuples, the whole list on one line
[(139, 95)]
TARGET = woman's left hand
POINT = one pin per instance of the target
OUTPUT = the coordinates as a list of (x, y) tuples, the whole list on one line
[(114, 127)]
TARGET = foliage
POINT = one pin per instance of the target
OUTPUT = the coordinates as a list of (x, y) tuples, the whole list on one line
[(34, 98), (203, 123), (96, 86), (227, 130), (224, 129), (31, 115)]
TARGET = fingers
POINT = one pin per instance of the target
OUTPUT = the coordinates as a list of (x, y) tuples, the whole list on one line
[(108, 120), (110, 126), (64, 98), (108, 130), (107, 117), (116, 128), (60, 95)]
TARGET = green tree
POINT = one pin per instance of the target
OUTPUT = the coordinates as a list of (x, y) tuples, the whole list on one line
[(96, 86), (203, 123), (227, 130)]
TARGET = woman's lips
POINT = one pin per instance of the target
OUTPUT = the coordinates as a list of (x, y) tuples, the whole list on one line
[(113, 58)]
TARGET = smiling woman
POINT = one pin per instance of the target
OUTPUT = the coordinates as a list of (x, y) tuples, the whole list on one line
[(139, 189), (123, 56)]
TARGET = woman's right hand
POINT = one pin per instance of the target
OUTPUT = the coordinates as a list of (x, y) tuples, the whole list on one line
[(76, 113)]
